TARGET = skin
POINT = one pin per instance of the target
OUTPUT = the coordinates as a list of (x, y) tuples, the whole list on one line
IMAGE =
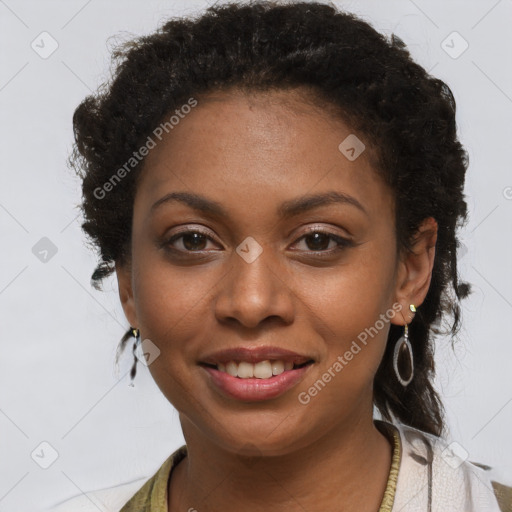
[(251, 153)]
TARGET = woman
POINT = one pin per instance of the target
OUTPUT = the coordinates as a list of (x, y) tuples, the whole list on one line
[(277, 188)]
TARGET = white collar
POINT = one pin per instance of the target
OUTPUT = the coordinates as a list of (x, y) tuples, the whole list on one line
[(432, 478)]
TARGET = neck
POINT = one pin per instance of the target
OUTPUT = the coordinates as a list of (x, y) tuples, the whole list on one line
[(350, 465)]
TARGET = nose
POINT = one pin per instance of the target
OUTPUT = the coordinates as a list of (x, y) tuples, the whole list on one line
[(255, 292)]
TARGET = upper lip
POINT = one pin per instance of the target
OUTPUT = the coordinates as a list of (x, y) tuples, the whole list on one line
[(254, 355)]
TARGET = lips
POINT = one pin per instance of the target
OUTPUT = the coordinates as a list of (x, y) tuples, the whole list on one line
[(255, 355), (253, 389)]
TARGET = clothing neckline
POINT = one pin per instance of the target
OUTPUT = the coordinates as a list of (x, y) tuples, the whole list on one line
[(388, 429), (392, 433)]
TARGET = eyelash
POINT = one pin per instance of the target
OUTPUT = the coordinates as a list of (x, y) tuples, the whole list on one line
[(342, 243)]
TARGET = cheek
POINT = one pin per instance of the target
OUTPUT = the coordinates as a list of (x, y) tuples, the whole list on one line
[(353, 312), (172, 305), (353, 295), (164, 292)]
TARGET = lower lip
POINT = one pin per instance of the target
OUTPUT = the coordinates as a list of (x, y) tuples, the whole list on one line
[(253, 389)]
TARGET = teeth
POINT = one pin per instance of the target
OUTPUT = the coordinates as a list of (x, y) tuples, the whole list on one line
[(261, 370), (245, 370), (277, 367), (232, 368)]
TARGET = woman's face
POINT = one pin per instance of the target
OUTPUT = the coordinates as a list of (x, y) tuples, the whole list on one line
[(313, 281)]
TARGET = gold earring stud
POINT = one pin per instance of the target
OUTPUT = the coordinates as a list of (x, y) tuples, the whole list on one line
[(412, 307)]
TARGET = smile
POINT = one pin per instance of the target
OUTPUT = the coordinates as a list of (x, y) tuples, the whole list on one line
[(249, 382)]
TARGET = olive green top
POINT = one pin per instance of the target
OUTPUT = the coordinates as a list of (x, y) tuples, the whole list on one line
[(152, 496)]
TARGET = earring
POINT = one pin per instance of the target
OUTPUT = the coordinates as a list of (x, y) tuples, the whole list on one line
[(403, 345), (132, 332), (136, 334)]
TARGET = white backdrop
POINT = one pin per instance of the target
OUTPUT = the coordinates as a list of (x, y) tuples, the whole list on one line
[(59, 335)]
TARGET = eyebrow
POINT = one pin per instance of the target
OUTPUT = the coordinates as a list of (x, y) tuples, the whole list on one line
[(286, 210)]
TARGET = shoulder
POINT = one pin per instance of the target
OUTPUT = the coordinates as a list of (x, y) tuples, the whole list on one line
[(135, 496), (453, 467)]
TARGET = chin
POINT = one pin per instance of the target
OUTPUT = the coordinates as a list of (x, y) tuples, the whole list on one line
[(271, 437)]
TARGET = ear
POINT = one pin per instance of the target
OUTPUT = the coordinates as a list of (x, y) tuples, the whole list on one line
[(414, 271), (124, 280)]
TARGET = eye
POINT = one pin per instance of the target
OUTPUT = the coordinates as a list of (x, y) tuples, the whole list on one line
[(191, 241), (318, 240)]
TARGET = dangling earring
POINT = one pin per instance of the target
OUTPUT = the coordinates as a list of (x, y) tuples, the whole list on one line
[(133, 371), (132, 332), (403, 345)]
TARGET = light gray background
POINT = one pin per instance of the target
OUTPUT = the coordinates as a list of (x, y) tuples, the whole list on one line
[(58, 335)]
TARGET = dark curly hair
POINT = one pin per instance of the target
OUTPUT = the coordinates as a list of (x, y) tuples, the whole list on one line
[(368, 79)]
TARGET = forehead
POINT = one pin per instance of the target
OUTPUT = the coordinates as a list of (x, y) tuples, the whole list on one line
[(258, 150)]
